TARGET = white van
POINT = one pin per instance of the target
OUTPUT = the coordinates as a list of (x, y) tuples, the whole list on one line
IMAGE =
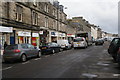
[(64, 44), (79, 42)]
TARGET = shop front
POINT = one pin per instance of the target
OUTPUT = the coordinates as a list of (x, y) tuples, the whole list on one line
[(70, 37), (35, 39), (5, 36), (54, 36), (62, 36), (43, 36), (24, 37)]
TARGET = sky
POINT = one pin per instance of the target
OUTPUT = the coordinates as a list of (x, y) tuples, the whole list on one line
[(103, 13)]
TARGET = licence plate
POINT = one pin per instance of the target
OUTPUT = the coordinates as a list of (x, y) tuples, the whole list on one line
[(78, 43), (8, 57), (44, 48)]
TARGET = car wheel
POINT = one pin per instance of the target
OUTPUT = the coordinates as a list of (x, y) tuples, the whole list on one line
[(23, 58), (53, 51), (39, 54)]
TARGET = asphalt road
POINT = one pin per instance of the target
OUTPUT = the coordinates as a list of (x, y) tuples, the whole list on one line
[(93, 62)]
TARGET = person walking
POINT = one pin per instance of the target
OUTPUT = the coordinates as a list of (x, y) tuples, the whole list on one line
[(5, 45), (0, 46)]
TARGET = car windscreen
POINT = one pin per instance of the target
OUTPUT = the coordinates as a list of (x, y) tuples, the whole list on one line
[(11, 47), (78, 39)]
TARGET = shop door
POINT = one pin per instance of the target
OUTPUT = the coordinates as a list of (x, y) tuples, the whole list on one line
[(12, 40), (27, 40)]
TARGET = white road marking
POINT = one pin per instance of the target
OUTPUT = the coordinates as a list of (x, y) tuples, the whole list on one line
[(37, 59), (105, 51), (102, 64), (47, 56), (116, 75), (6, 68), (89, 75), (25, 62)]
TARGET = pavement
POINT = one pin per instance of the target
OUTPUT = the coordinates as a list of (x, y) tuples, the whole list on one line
[(92, 62)]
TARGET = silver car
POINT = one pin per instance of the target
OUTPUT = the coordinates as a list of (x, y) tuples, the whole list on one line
[(80, 42), (20, 52)]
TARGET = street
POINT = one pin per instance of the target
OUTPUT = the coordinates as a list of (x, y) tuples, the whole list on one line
[(92, 62)]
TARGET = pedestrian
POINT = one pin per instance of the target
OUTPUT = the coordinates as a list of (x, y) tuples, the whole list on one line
[(0, 46), (5, 44)]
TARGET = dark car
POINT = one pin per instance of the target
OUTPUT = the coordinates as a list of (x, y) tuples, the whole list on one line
[(99, 42), (114, 48), (20, 52), (50, 48)]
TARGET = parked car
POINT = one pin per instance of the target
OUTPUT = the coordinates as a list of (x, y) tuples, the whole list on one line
[(50, 48), (113, 49), (20, 52), (79, 42), (99, 42), (64, 44), (118, 55)]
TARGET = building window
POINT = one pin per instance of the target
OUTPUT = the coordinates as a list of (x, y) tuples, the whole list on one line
[(34, 18), (53, 12), (60, 16), (46, 22), (60, 27), (46, 7), (40, 5), (19, 13), (54, 24)]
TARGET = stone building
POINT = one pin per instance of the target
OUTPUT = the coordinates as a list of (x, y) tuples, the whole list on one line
[(99, 33), (32, 22), (94, 32), (85, 26), (71, 30)]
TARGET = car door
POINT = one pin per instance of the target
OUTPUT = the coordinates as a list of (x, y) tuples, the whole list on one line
[(25, 49), (53, 46), (33, 50), (57, 47), (30, 50)]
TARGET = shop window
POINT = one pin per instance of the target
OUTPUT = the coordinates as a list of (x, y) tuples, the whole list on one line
[(20, 40)]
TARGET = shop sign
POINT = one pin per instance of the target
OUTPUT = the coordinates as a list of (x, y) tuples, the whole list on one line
[(6, 29), (35, 35), (63, 35), (54, 34), (40, 32), (21, 33), (70, 35), (60, 34)]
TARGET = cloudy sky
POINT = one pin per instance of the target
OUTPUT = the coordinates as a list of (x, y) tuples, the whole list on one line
[(103, 13)]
